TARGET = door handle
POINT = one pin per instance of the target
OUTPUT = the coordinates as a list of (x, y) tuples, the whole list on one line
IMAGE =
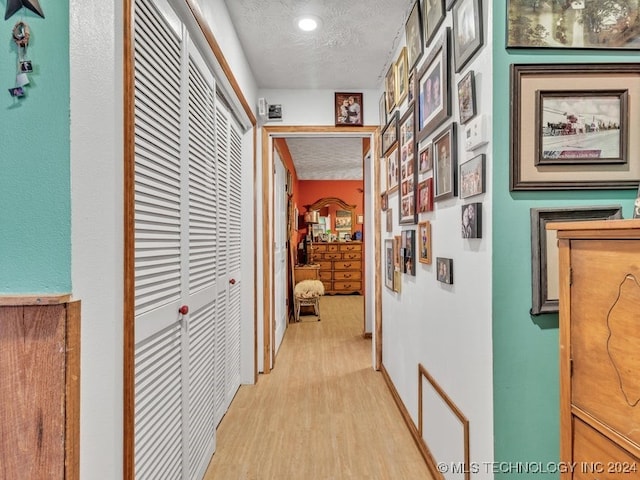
[(232, 281), (184, 309)]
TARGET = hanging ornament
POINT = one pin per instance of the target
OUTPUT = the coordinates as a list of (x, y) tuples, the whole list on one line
[(14, 5), (21, 35)]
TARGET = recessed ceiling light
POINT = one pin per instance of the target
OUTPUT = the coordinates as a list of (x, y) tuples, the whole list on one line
[(308, 23)]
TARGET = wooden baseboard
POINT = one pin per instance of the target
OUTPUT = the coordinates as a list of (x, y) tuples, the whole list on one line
[(367, 335), (424, 451)]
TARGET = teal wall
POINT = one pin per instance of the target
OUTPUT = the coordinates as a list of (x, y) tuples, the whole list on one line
[(525, 348), (35, 216)]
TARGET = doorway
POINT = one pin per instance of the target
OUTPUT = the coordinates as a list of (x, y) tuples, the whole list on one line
[(371, 229)]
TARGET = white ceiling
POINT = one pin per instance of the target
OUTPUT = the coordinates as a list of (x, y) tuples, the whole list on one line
[(352, 49)]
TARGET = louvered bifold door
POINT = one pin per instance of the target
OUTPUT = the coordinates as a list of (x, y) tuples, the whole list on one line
[(234, 233), (203, 258), (220, 345), (158, 276)]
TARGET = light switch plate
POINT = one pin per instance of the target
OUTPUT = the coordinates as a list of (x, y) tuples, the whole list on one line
[(475, 133)]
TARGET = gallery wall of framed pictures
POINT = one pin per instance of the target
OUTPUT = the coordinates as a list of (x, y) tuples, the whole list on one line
[(429, 99)]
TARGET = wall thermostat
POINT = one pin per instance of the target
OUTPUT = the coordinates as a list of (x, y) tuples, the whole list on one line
[(475, 134)]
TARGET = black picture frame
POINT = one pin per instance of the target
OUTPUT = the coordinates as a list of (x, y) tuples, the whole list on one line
[(445, 164), (433, 101), (620, 32), (444, 270), (471, 220), (581, 127), (472, 177), (544, 250), (467, 97), (390, 134), (467, 31), (413, 35), (526, 80), (433, 14)]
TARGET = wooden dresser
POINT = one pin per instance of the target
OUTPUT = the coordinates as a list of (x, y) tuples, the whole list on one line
[(340, 266), (599, 264)]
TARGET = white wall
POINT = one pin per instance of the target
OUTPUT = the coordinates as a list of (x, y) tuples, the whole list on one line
[(315, 107), (97, 227), (447, 328), (96, 106)]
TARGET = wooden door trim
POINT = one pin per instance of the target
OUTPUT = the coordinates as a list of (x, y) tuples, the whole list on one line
[(367, 132)]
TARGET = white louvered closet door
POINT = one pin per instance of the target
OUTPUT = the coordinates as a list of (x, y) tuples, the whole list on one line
[(227, 336), (187, 250), (159, 241)]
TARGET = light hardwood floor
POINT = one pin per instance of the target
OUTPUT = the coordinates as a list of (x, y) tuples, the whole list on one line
[(323, 412)]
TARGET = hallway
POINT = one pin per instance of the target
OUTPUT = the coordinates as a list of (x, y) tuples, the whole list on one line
[(323, 413)]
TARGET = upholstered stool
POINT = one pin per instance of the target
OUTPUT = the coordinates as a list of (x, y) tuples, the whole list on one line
[(307, 293)]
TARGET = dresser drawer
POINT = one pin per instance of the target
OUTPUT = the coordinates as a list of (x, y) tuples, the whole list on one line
[(326, 275), (346, 275), (319, 248), (351, 247), (347, 265), (326, 265), (327, 285), (332, 256), (352, 255), (332, 247), (345, 286)]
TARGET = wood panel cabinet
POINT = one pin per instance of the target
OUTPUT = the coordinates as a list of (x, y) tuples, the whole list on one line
[(340, 266), (39, 387), (599, 264)]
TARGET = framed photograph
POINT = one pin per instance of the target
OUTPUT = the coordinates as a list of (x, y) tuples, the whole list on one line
[(389, 220), (408, 170), (541, 85), (360, 219), (424, 242), (467, 97), (544, 250), (348, 109), (402, 76), (472, 220), (390, 134), (393, 167), (390, 88), (433, 14), (444, 164), (413, 35), (581, 127), (472, 176), (596, 24), (408, 248), (425, 158), (467, 31), (397, 249), (433, 103), (411, 91), (383, 174), (425, 195), (343, 220), (384, 201), (388, 264), (444, 267), (382, 110)]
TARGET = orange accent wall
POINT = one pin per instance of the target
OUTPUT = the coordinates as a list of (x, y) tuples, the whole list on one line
[(349, 191)]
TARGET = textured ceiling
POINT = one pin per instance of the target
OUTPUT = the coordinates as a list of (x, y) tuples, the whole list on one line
[(327, 158), (351, 50)]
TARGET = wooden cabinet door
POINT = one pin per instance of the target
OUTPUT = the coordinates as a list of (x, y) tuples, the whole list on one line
[(605, 354)]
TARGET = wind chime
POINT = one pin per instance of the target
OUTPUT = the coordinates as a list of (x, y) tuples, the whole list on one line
[(21, 34)]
